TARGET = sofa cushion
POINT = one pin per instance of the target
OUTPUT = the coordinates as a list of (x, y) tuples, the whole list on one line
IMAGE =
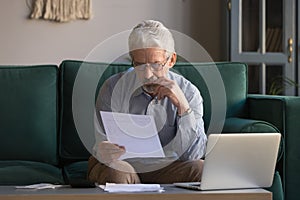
[(28, 114), (71, 147), (28, 172), (224, 82), (75, 171)]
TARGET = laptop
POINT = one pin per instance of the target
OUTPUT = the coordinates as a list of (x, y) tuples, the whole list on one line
[(238, 161)]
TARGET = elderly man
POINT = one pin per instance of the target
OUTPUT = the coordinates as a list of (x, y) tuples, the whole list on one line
[(149, 88)]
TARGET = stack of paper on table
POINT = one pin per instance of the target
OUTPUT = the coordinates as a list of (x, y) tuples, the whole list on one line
[(113, 187)]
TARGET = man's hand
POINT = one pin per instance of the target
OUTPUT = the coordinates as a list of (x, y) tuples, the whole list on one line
[(110, 152), (169, 88)]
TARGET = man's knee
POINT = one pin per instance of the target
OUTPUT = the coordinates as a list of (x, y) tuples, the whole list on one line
[(122, 166), (116, 172), (193, 170), (196, 167)]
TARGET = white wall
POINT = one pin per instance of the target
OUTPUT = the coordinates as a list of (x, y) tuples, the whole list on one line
[(24, 41)]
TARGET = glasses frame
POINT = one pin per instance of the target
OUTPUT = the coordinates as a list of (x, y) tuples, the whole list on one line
[(142, 67)]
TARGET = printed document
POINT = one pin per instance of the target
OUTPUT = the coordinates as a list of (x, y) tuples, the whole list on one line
[(137, 133), (113, 187)]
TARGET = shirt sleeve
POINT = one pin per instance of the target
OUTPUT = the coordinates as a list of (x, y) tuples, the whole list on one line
[(190, 140)]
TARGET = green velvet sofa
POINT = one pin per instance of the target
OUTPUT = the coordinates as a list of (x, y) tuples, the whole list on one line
[(41, 143)]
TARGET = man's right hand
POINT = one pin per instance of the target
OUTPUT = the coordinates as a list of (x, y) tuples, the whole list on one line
[(110, 152)]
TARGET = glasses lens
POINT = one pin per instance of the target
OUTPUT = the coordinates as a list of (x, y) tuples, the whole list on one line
[(140, 67), (156, 66), (153, 66)]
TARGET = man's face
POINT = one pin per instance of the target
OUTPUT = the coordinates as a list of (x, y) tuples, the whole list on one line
[(155, 57)]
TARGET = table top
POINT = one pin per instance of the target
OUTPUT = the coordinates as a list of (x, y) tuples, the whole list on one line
[(171, 192)]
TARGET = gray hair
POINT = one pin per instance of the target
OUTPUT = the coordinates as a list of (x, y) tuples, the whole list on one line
[(150, 33)]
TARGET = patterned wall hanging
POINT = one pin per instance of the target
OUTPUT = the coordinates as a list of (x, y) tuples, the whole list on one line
[(61, 10)]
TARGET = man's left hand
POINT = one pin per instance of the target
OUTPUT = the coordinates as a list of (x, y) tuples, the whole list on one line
[(169, 88)]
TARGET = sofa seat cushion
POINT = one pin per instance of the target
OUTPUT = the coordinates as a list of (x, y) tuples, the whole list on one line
[(75, 171), (16, 172)]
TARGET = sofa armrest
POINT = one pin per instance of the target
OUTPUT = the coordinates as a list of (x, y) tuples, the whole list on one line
[(242, 125), (284, 113)]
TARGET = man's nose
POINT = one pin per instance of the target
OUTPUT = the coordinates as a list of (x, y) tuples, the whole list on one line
[(148, 72)]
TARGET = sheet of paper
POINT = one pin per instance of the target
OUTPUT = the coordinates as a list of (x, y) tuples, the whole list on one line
[(39, 186), (137, 133), (112, 187)]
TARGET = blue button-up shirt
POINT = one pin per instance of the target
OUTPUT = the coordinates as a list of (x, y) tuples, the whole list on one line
[(182, 138)]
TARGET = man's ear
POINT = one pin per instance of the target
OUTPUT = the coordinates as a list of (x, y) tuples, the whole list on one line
[(173, 59)]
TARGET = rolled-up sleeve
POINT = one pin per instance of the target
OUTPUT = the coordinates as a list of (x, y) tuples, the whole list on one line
[(190, 140)]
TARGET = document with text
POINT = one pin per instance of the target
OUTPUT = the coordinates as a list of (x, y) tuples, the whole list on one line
[(137, 133)]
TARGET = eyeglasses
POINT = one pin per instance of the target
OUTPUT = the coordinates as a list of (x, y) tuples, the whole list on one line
[(153, 66)]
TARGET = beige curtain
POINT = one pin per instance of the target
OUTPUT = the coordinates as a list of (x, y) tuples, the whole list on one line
[(61, 10)]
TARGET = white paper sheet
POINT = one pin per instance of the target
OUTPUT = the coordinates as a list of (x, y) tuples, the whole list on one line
[(137, 133), (112, 187), (39, 186)]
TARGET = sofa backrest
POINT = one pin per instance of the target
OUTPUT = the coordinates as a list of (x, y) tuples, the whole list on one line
[(71, 147), (227, 78), (28, 113), (218, 82)]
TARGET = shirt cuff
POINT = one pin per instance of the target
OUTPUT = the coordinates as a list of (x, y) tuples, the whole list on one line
[(188, 111), (187, 121)]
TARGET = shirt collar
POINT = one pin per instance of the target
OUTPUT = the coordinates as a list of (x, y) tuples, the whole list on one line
[(138, 92)]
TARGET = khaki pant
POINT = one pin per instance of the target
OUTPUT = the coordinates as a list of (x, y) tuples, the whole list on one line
[(123, 172)]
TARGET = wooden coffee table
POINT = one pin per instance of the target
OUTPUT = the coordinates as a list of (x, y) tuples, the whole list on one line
[(171, 193)]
